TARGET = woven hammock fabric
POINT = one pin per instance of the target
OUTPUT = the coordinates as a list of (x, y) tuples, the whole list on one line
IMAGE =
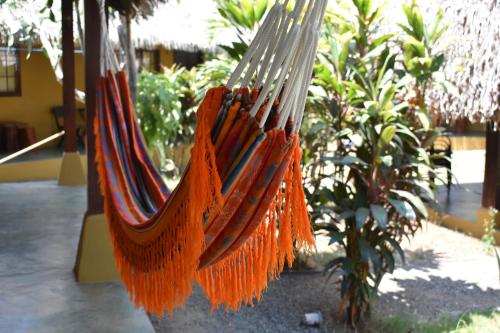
[(232, 222)]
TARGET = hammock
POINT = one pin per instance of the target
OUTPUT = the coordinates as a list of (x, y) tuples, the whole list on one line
[(239, 210)]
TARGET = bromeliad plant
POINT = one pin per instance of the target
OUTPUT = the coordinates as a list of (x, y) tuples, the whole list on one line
[(367, 149)]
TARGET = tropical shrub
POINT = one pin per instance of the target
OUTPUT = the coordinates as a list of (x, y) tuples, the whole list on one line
[(489, 223), (166, 107), (367, 144), (212, 73)]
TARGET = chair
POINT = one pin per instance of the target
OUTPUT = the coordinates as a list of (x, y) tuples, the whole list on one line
[(58, 113), (441, 149), (10, 143), (15, 135)]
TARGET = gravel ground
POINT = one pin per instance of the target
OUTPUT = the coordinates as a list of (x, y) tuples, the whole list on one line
[(446, 273)]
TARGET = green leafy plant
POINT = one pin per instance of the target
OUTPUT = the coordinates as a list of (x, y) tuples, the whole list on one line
[(489, 230), (165, 107), (212, 73), (489, 235), (367, 151), (241, 16), (419, 56)]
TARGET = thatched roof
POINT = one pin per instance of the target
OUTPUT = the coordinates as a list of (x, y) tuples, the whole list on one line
[(180, 25), (473, 59), (135, 8)]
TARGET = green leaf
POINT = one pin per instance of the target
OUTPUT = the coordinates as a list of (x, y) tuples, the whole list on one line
[(379, 214), (380, 40), (413, 45), (424, 119), (406, 29), (388, 134), (368, 253), (260, 9), (418, 23), (386, 95), (395, 245), (403, 208), (361, 215), (408, 13), (389, 259), (344, 132), (402, 129), (346, 160), (414, 200), (336, 237), (247, 8), (437, 62)]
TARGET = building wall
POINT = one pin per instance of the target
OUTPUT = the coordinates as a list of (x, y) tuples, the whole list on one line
[(40, 91), (166, 57)]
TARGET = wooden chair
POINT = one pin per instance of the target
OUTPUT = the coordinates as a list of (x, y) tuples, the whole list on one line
[(10, 142), (26, 136), (442, 148), (58, 113)]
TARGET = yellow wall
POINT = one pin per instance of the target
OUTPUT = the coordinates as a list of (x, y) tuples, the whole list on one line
[(166, 57), (40, 91)]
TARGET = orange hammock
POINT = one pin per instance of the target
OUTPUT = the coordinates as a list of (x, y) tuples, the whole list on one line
[(228, 242), (232, 222)]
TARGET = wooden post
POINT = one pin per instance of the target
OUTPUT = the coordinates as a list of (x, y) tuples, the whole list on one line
[(92, 72), (95, 260), (491, 185), (71, 171), (68, 67)]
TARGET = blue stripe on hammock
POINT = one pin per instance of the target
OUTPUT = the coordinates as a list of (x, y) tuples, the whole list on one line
[(139, 197), (221, 117), (108, 163), (233, 176)]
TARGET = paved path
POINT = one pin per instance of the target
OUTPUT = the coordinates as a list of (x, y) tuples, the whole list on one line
[(39, 230)]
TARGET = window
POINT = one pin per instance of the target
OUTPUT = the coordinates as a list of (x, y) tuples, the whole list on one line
[(10, 78), (147, 60)]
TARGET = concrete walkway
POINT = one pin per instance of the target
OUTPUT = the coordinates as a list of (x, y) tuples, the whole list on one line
[(39, 230), (464, 198)]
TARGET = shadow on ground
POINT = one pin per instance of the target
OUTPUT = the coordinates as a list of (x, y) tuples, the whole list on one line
[(430, 297), (420, 294)]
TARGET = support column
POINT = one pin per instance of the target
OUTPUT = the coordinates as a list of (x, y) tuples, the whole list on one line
[(491, 185), (71, 172), (95, 260)]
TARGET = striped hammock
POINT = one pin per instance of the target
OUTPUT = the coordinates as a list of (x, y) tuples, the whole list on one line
[(239, 211)]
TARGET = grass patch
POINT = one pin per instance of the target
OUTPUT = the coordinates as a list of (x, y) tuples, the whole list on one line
[(469, 322)]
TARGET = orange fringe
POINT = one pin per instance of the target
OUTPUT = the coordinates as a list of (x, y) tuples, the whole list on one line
[(242, 276)]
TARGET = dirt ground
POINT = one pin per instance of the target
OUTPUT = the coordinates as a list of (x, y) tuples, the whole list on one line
[(446, 273)]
